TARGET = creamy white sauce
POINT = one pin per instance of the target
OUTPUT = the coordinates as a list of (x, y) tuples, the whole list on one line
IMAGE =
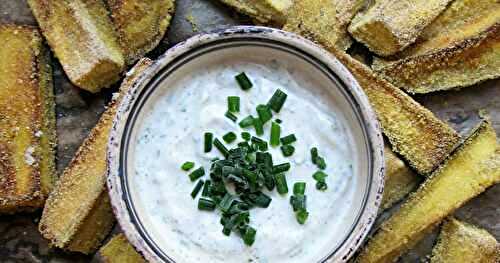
[(172, 133)]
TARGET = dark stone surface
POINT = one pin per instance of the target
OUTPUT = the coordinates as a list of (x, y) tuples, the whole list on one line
[(78, 111)]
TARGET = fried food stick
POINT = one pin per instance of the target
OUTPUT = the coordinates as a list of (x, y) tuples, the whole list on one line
[(465, 174), (119, 250), (27, 120), (77, 215), (389, 26), (83, 39), (326, 17), (399, 179), (464, 64), (460, 242), (141, 24), (264, 11), (413, 131)]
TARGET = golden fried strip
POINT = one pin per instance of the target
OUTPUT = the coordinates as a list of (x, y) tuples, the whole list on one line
[(82, 37), (325, 17), (460, 242), (264, 11), (77, 207), (27, 120), (389, 26), (119, 250), (467, 63), (413, 131), (399, 179), (464, 175), (141, 24)]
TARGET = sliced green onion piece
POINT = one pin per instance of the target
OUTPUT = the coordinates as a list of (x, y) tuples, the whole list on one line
[(281, 168), (187, 166), (277, 100), (261, 144), (209, 137), (275, 134), (233, 104), (244, 81), (288, 139), (279, 121), (246, 122), (226, 202), (231, 116), (197, 174), (206, 189), (249, 235), (246, 136), (302, 216), (320, 162), (222, 149), (264, 113), (314, 154), (281, 184), (287, 150), (321, 185), (258, 125), (229, 137), (299, 188), (206, 204), (197, 188), (320, 176), (298, 202)]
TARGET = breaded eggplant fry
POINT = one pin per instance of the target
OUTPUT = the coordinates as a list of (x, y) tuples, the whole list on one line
[(413, 131), (77, 208), (141, 24), (329, 18), (83, 39), (119, 250), (389, 26), (467, 63), (264, 11), (460, 242), (27, 120), (464, 175), (399, 179), (462, 20)]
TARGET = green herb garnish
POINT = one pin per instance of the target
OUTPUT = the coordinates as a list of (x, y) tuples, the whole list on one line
[(231, 116), (246, 136), (229, 137), (208, 139), (264, 113), (275, 134), (258, 125), (287, 150), (233, 104), (244, 81), (197, 188), (281, 184), (222, 149), (187, 166), (302, 216), (200, 172), (246, 122), (277, 100), (206, 204), (288, 139)]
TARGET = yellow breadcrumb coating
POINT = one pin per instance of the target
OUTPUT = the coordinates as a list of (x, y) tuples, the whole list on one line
[(119, 250)]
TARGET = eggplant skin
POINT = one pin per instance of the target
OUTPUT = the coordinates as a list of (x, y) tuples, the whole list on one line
[(77, 215), (472, 168), (27, 122), (460, 242)]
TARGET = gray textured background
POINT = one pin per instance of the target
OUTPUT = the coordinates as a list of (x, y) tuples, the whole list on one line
[(78, 111)]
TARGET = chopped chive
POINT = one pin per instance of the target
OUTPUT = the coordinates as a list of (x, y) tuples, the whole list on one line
[(246, 136), (321, 185), (302, 216), (231, 116), (187, 166), (281, 168), (320, 162), (249, 235), (275, 134), (226, 202), (206, 204), (281, 184), (246, 122), (299, 188), (264, 113), (233, 104), (209, 137), (288, 139), (258, 125), (222, 149), (197, 188), (320, 176), (197, 174), (206, 189), (244, 81), (229, 137), (277, 100), (279, 121), (314, 154), (287, 150), (298, 202)]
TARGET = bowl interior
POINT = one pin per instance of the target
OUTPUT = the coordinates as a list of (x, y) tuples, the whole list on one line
[(324, 86)]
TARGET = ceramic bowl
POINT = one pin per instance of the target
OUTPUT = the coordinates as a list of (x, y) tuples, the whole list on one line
[(242, 43)]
